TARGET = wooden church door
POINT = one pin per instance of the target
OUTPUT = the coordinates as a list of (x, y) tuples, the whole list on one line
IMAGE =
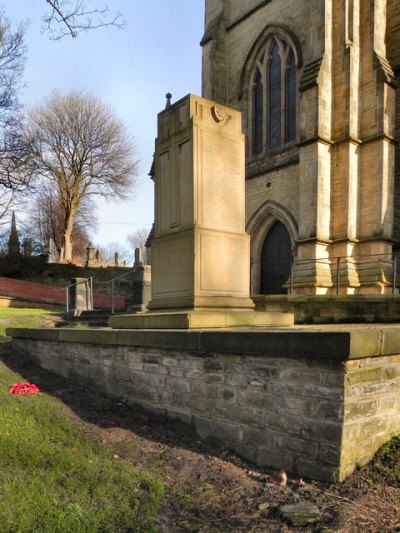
[(276, 259)]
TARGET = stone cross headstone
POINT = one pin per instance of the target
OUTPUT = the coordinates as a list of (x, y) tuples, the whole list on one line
[(90, 256)]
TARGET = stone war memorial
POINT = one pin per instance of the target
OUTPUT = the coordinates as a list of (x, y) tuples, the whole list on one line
[(200, 251), (287, 164)]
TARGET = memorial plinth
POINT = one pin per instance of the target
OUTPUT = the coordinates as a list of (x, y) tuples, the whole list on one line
[(200, 251)]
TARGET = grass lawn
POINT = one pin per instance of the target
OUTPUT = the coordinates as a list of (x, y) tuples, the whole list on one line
[(14, 317), (72, 466), (52, 479)]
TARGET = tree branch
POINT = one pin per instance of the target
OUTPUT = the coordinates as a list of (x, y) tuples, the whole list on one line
[(71, 18)]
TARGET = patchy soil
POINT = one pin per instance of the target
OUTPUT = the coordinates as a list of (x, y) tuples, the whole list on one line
[(209, 489)]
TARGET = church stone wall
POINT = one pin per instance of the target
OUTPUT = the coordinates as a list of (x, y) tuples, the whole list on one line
[(340, 181), (280, 186)]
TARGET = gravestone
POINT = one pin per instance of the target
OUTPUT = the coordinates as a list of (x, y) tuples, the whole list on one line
[(141, 283), (200, 250), (91, 259), (80, 296)]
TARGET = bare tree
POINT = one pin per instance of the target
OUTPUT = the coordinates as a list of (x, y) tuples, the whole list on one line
[(71, 17), (46, 223), (12, 62), (138, 238), (8, 200), (79, 147), (113, 253)]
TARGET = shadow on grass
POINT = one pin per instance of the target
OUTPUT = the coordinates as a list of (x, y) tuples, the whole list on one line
[(91, 405)]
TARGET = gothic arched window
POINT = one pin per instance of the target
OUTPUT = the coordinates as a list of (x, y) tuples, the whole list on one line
[(258, 113), (273, 96)]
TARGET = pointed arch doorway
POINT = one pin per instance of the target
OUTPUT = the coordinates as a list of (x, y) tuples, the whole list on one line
[(276, 260)]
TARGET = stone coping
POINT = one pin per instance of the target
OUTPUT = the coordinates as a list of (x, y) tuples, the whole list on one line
[(338, 343), (327, 297)]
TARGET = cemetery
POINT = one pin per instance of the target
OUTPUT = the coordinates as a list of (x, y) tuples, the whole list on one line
[(316, 401), (244, 372)]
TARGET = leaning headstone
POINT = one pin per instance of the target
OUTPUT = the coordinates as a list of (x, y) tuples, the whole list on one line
[(200, 252)]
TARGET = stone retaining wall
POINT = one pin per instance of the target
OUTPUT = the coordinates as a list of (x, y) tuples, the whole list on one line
[(315, 403), (340, 309)]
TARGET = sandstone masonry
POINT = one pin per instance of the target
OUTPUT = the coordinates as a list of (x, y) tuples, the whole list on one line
[(316, 403), (335, 187)]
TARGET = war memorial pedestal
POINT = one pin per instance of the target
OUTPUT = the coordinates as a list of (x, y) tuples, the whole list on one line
[(200, 252)]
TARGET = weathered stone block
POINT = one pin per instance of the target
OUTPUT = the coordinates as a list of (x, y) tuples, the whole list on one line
[(212, 365), (261, 439), (301, 513), (272, 458), (329, 455), (155, 368), (301, 446), (331, 393), (182, 415), (176, 372), (152, 359), (215, 378), (361, 408), (206, 390), (288, 424), (259, 397), (138, 378), (228, 393), (216, 428), (323, 431), (178, 385), (237, 413), (170, 362)]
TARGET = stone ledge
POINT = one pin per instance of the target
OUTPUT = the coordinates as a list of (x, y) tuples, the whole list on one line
[(201, 319), (327, 344)]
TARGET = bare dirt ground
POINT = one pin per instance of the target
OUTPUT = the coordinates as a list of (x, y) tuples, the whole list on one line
[(209, 489)]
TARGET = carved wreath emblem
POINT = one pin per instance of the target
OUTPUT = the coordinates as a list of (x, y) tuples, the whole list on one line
[(218, 114)]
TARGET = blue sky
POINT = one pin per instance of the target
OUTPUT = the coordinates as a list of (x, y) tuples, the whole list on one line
[(130, 70)]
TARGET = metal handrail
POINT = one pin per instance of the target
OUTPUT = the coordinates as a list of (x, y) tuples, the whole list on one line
[(339, 262), (112, 281), (66, 289)]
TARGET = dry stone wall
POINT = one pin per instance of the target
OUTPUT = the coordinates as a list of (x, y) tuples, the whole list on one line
[(314, 403)]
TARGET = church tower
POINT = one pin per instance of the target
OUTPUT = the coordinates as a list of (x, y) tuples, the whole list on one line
[(317, 84)]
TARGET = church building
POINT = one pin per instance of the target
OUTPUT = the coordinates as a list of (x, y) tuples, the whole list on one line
[(317, 83)]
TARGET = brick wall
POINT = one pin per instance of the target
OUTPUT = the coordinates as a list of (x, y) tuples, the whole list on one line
[(30, 292)]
